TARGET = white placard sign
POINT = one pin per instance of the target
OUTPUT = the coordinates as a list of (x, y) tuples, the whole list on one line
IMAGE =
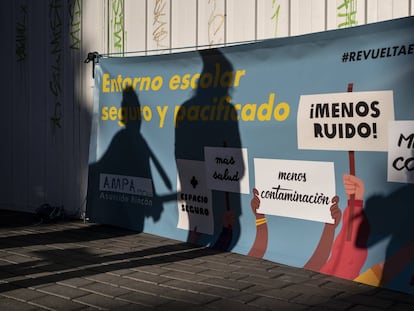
[(401, 152), (355, 121), (297, 189), (227, 169), (193, 198)]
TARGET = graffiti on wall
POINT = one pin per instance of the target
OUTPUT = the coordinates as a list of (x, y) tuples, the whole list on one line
[(275, 15), (347, 13), (56, 34), (21, 33), (160, 32), (75, 14), (117, 25), (215, 24)]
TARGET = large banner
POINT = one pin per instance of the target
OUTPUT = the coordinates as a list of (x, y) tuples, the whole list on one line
[(298, 150)]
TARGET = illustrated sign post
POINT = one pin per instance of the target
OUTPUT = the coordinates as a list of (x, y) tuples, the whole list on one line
[(348, 121)]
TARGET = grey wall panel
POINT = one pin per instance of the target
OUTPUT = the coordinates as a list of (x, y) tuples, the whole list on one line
[(6, 117), (39, 121), (240, 20), (183, 24), (20, 86), (135, 25), (272, 19), (71, 87)]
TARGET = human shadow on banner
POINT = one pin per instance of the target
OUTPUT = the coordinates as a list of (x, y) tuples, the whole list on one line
[(392, 217), (208, 119), (120, 187)]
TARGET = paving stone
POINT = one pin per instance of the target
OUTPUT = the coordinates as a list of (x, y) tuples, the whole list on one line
[(104, 278), (8, 304), (263, 272), (186, 296), (332, 305), (256, 289), (143, 287), (179, 306), (76, 282), (214, 291), (222, 259), (22, 294), (227, 284), (151, 269), (17, 258), (237, 275), (62, 291), (206, 273), (275, 304), (313, 290), (310, 299), (56, 303), (133, 307), (231, 305), (278, 293), (195, 287), (368, 301), (103, 302), (146, 277), (269, 282), (144, 299), (189, 267), (293, 279), (241, 297), (184, 276), (316, 281), (104, 289), (218, 266), (121, 272)]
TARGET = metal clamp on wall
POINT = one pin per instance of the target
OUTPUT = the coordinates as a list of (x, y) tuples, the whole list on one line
[(94, 57)]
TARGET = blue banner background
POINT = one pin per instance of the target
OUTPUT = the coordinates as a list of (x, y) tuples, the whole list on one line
[(289, 68)]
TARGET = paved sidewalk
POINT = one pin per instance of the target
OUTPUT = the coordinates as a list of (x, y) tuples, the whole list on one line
[(77, 266)]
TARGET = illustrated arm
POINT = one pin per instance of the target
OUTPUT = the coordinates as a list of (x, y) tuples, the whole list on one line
[(260, 244), (323, 249)]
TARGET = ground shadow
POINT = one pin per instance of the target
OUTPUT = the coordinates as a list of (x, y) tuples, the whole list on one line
[(64, 234), (72, 258)]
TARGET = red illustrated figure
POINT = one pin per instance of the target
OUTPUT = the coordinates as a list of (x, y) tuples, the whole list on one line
[(342, 257)]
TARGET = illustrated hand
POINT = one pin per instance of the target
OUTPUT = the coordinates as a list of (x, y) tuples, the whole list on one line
[(336, 213), (353, 185), (255, 203)]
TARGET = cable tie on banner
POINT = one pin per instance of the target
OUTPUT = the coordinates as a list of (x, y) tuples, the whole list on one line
[(94, 58)]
